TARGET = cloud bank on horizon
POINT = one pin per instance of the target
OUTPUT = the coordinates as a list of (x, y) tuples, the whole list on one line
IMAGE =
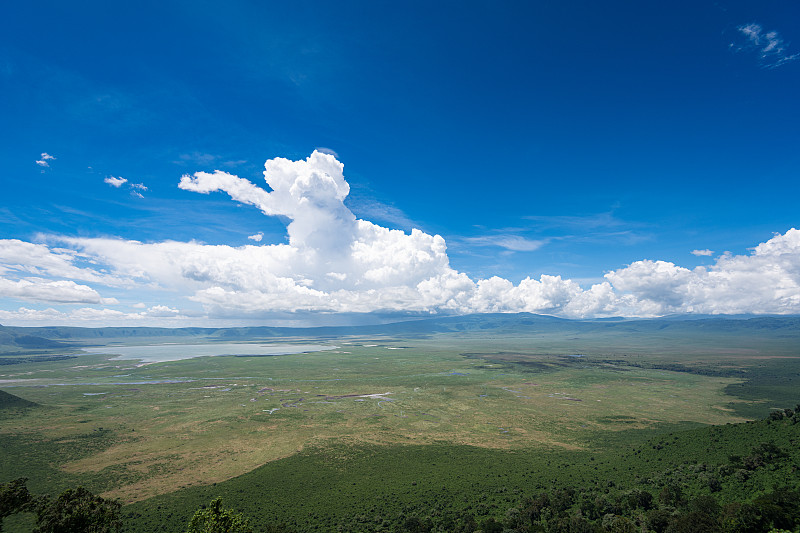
[(336, 263)]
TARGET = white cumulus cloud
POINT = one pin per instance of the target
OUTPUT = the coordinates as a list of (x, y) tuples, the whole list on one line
[(25, 316), (115, 182), (22, 258), (334, 262), (765, 281), (43, 162), (156, 316), (135, 188), (311, 193), (42, 290), (161, 311)]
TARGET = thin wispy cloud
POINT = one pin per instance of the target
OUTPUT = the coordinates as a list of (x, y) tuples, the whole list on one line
[(593, 228), (328, 151), (371, 209), (514, 243), (701, 253), (772, 49), (582, 222), (198, 158), (626, 237), (207, 160)]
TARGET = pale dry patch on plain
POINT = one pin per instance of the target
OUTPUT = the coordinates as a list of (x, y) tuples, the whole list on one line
[(198, 463)]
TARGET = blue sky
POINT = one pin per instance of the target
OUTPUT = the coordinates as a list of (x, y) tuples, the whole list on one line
[(600, 143)]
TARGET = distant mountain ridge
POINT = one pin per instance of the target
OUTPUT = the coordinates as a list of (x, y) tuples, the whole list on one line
[(19, 339), (54, 337)]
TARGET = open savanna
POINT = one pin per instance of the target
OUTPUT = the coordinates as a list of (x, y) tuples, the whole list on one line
[(132, 431)]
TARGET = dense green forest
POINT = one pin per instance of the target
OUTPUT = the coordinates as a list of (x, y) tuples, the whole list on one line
[(732, 478)]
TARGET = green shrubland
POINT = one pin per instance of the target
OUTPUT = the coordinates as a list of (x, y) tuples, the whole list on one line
[(729, 478), (735, 477)]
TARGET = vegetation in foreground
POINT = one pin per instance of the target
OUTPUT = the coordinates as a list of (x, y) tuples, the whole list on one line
[(731, 478), (749, 471), (386, 432), (73, 511)]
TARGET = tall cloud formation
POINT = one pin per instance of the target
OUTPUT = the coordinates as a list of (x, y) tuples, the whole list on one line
[(334, 262)]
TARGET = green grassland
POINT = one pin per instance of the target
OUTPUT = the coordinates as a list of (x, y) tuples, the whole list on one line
[(386, 421)]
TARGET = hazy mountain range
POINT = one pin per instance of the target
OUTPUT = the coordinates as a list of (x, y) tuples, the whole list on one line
[(49, 338)]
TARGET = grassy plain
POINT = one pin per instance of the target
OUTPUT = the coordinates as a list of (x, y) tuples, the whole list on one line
[(134, 431)]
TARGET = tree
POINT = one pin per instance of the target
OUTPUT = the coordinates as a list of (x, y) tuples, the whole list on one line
[(490, 525), (215, 519), (671, 494), (14, 497), (77, 511), (775, 415), (638, 499)]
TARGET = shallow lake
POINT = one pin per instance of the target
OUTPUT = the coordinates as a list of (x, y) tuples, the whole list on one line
[(159, 353)]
